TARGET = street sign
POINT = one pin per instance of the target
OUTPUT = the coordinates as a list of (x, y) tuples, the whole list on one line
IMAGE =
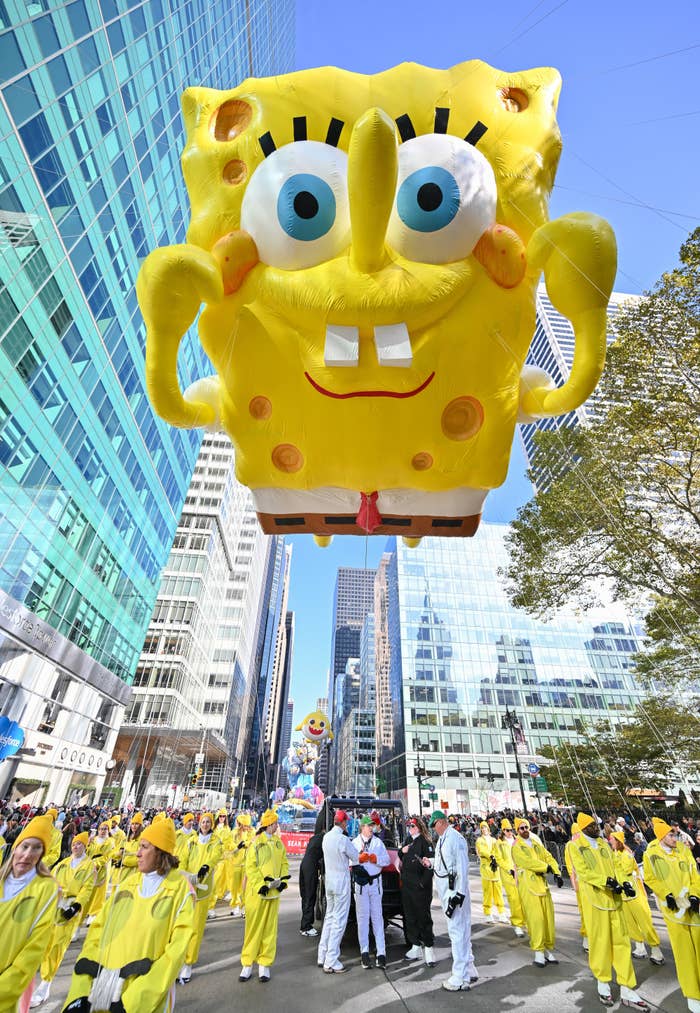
[(433, 795), (445, 805), (539, 784), (428, 787), (533, 769), (199, 757)]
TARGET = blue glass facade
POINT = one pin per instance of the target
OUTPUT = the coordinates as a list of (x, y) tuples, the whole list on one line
[(460, 654), (91, 482)]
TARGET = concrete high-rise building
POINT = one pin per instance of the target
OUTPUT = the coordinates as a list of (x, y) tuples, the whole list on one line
[(552, 349), (355, 755), (280, 683), (91, 482), (368, 664), (285, 741), (197, 669), (321, 777), (460, 655)]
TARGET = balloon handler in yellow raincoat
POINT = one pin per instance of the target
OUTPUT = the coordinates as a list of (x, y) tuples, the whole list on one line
[(28, 898), (506, 869), (267, 875), (243, 835), (635, 910), (533, 862), (53, 852), (600, 892), (671, 872), (200, 861), (76, 875), (100, 851), (490, 876), (127, 862), (222, 876), (135, 946), (575, 834)]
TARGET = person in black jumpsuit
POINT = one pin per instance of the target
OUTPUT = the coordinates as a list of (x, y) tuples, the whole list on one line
[(417, 891), (308, 878)]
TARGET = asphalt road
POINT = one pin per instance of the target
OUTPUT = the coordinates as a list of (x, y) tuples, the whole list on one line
[(507, 978)]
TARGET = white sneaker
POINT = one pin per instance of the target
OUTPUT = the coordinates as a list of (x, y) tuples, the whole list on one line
[(632, 999), (429, 956), (246, 972), (185, 974), (41, 994), (455, 985), (657, 957), (639, 950), (415, 953), (539, 958), (336, 968), (493, 917), (518, 931), (550, 958), (211, 913), (584, 943), (503, 918), (263, 973), (693, 1005), (308, 932), (236, 912)]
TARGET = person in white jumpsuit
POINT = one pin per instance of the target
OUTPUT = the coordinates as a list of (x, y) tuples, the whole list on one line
[(339, 853), (368, 891), (451, 868)]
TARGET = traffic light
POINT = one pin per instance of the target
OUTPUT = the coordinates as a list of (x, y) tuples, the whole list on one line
[(196, 776)]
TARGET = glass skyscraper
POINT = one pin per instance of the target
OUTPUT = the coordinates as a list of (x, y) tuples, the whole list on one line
[(91, 482), (460, 655)]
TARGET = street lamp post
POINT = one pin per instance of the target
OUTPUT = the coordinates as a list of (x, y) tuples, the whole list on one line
[(510, 721)]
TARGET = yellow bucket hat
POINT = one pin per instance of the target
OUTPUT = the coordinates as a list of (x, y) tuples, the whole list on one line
[(81, 838), (519, 822), (137, 819), (661, 828), (584, 820), (161, 834), (268, 818), (244, 819), (187, 818), (618, 835), (506, 824)]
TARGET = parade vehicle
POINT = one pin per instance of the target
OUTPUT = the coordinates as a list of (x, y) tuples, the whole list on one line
[(391, 830)]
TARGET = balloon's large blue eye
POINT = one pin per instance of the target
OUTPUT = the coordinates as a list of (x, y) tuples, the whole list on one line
[(428, 199), (306, 207)]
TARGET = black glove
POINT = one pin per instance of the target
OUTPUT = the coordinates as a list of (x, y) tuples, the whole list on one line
[(117, 1007), (694, 904), (116, 863), (671, 902), (71, 911), (494, 864), (550, 869), (542, 874), (241, 845), (512, 872), (282, 886), (202, 873), (84, 965), (628, 889), (81, 1005), (559, 881), (136, 967), (264, 890), (612, 884)]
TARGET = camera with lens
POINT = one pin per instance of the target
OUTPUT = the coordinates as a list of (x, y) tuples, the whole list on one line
[(455, 901)]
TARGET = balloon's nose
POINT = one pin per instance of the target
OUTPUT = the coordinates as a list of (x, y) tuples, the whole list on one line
[(372, 174)]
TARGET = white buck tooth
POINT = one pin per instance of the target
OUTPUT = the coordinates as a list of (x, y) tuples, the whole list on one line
[(393, 345), (342, 346)]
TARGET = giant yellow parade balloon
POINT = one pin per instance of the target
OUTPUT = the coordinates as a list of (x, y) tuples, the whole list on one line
[(367, 251)]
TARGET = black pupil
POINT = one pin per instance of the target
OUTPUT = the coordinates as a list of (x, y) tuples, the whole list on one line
[(429, 197), (306, 205)]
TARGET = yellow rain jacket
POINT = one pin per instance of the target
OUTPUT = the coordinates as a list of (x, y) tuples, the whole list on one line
[(54, 852), (635, 910), (506, 865), (131, 927), (531, 864), (100, 851), (182, 844), (266, 860), (26, 924), (674, 871), (608, 938), (77, 886), (574, 882), (222, 877), (490, 878), (197, 855)]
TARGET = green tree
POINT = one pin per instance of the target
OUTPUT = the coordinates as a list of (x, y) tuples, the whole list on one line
[(621, 508), (655, 748)]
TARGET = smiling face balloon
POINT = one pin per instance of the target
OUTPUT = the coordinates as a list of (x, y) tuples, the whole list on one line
[(367, 250), (316, 728)]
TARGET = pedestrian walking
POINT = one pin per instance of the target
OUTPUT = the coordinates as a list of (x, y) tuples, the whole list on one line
[(28, 899), (100, 851), (243, 835), (490, 876), (670, 871), (532, 862), (367, 883), (635, 909), (308, 878), (506, 869), (417, 891), (339, 854), (133, 949), (200, 862), (575, 834), (267, 876), (600, 891), (451, 868)]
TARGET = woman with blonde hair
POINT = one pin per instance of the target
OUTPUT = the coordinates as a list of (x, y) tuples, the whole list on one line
[(76, 875), (28, 899), (135, 946)]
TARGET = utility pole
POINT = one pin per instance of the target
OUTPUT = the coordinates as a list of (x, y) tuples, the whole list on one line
[(510, 721), (420, 773)]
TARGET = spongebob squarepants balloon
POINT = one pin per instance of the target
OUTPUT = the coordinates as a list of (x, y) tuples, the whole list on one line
[(316, 728), (367, 251)]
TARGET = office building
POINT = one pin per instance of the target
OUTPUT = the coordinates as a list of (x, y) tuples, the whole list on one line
[(552, 349), (285, 742), (355, 758), (280, 683), (460, 656), (91, 482), (197, 668), (321, 774)]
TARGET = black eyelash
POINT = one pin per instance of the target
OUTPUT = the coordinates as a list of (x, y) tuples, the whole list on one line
[(442, 116), (476, 133), (406, 128), (335, 129), (299, 128), (267, 144)]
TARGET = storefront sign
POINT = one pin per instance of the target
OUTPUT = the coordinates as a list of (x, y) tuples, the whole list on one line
[(11, 737)]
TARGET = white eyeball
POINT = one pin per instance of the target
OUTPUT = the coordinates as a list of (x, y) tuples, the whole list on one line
[(445, 199), (296, 205)]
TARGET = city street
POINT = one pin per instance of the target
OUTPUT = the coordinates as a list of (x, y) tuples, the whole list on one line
[(508, 980)]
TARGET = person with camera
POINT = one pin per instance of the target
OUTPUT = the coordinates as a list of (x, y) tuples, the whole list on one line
[(417, 891), (601, 892), (451, 868), (532, 863), (367, 880), (670, 871)]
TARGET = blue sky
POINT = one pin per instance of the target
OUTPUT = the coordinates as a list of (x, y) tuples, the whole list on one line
[(629, 114)]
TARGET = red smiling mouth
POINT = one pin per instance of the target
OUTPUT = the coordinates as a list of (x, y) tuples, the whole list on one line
[(369, 393), (316, 731)]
